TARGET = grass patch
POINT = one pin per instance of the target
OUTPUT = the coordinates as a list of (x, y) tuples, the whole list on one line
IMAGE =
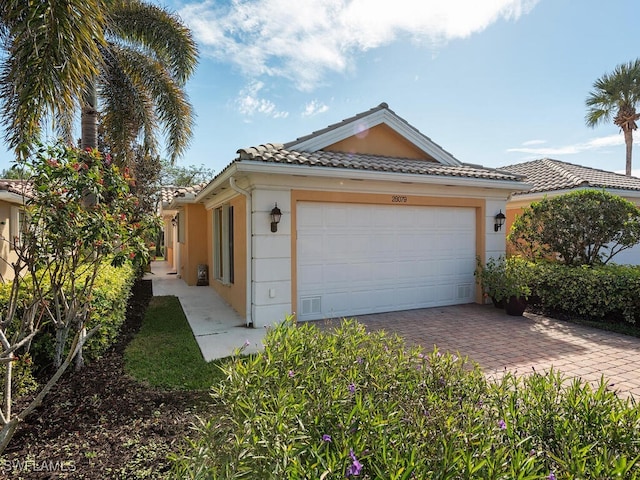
[(164, 352)]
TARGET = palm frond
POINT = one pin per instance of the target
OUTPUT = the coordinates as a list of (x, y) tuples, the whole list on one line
[(51, 52), (159, 32)]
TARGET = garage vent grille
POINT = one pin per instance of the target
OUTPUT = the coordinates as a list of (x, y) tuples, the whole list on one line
[(311, 305), (464, 291)]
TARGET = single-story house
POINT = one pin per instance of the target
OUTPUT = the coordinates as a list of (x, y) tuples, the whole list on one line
[(13, 194), (367, 215), (550, 178)]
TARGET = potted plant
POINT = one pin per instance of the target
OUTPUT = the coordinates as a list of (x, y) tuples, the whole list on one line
[(516, 289), (506, 282), (491, 277)]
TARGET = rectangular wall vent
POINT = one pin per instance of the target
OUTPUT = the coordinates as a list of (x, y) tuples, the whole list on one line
[(311, 305), (464, 291)]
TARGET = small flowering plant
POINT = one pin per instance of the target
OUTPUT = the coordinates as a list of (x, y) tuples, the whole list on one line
[(360, 409)]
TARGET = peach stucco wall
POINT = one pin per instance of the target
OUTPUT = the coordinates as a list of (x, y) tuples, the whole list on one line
[(235, 293), (379, 140), (7, 254), (194, 249)]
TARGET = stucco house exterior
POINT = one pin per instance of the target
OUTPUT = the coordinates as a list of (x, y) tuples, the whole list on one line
[(549, 177), (373, 217), (13, 195)]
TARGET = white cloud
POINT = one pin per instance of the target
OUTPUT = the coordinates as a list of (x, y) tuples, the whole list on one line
[(249, 102), (304, 40), (593, 144), (314, 108), (533, 142)]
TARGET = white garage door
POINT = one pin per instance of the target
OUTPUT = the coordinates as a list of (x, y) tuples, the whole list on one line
[(357, 259)]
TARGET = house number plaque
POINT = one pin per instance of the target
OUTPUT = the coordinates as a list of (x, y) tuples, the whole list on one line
[(398, 199)]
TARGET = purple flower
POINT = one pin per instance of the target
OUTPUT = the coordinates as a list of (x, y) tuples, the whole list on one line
[(247, 343), (326, 438), (502, 425), (291, 373), (356, 467), (359, 359), (352, 388), (551, 476)]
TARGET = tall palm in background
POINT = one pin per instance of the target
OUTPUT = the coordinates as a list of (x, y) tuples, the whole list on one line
[(49, 52), (146, 60), (124, 62), (615, 96)]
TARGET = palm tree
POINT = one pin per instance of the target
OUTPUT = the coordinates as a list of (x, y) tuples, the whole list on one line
[(123, 61), (616, 95), (147, 57), (48, 53)]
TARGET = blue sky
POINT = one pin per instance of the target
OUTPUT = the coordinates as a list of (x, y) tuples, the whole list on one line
[(494, 82)]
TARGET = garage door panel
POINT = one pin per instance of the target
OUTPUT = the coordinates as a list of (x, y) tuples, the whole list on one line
[(358, 259)]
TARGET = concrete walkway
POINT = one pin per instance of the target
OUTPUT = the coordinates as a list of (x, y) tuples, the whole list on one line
[(483, 333), (218, 329)]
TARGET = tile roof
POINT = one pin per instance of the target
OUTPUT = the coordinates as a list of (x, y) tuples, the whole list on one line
[(168, 193), (18, 187), (276, 153), (547, 175)]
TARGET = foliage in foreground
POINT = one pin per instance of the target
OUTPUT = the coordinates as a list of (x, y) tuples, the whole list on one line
[(164, 352), (77, 218), (347, 403)]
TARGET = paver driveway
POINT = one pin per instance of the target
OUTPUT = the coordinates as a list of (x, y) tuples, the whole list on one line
[(498, 341)]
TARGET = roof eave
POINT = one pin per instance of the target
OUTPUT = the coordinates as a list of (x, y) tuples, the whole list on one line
[(347, 173)]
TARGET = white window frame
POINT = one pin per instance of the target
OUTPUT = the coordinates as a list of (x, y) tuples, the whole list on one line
[(17, 224)]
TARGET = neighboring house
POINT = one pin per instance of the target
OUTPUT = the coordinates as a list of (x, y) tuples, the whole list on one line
[(375, 217), (13, 194), (550, 178)]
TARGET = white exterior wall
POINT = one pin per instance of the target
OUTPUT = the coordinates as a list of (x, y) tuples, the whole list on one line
[(271, 258), (495, 242)]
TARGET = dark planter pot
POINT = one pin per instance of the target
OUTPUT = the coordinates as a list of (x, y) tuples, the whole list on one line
[(498, 303), (515, 306)]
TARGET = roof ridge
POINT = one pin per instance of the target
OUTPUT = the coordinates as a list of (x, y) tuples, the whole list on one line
[(553, 164)]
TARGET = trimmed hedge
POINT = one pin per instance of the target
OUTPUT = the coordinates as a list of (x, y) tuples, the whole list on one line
[(608, 292), (110, 297)]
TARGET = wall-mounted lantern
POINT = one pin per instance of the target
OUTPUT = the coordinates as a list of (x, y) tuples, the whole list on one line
[(276, 215), (500, 218), (174, 221)]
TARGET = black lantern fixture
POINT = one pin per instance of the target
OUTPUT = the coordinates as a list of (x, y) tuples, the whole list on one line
[(276, 215), (174, 221), (500, 218)]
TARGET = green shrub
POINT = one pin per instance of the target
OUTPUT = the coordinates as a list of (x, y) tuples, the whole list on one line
[(347, 403), (597, 293), (109, 299)]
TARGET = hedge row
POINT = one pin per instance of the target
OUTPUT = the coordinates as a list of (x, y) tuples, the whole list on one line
[(110, 296), (609, 292)]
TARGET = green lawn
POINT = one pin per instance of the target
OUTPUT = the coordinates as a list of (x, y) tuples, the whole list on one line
[(164, 352)]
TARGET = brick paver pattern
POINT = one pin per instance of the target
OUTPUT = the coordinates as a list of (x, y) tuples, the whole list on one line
[(499, 343)]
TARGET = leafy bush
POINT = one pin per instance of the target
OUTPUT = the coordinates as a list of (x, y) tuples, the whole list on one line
[(606, 291), (584, 227), (108, 309), (502, 278), (347, 403)]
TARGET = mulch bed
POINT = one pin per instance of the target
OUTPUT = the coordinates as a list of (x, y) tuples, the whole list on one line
[(101, 424)]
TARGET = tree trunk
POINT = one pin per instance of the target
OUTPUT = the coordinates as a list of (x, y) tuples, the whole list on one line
[(89, 118), (628, 140)]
